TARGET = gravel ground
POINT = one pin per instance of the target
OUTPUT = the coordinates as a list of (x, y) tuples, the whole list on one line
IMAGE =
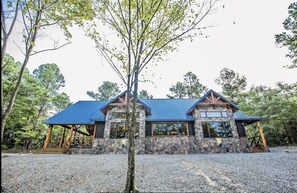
[(232, 172)]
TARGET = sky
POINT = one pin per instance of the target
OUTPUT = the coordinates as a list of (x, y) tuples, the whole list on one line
[(242, 40)]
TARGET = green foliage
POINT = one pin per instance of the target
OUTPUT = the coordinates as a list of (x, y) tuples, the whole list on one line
[(289, 37), (232, 84), (278, 107), (178, 90), (143, 94), (106, 91), (38, 96), (190, 87)]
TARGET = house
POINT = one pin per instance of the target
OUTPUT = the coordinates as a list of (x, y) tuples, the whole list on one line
[(209, 124)]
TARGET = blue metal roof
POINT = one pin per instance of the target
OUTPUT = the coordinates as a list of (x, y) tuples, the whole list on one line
[(79, 113), (240, 116), (87, 112), (169, 109)]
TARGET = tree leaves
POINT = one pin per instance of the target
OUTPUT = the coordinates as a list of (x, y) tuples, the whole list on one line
[(289, 37), (190, 87), (106, 91)]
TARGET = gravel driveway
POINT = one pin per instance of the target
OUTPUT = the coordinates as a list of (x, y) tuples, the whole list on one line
[(231, 172)]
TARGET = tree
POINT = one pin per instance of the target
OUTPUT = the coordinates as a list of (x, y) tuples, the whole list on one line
[(146, 31), (178, 90), (36, 16), (106, 91), (22, 115), (190, 87), (232, 83), (278, 107), (38, 95), (49, 81), (143, 94), (289, 37)]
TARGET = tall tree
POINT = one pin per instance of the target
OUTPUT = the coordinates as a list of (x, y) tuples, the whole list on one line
[(38, 96), (190, 87), (289, 37), (193, 85), (106, 91), (178, 91), (35, 17), (232, 83), (50, 80), (146, 31), (23, 112), (143, 94)]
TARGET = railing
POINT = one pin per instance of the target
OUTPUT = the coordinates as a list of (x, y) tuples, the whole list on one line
[(255, 141)]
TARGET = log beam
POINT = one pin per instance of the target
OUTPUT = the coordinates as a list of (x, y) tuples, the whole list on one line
[(62, 138), (48, 136), (262, 136), (68, 142)]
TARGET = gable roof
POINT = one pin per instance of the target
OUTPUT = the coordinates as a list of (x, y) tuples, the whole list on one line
[(121, 95), (207, 94), (87, 112)]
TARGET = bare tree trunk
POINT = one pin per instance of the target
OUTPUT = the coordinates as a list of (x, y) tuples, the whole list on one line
[(5, 113), (5, 35)]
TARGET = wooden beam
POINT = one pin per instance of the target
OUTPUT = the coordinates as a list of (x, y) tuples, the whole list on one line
[(48, 136), (78, 131), (94, 134), (62, 138), (68, 142), (262, 136)]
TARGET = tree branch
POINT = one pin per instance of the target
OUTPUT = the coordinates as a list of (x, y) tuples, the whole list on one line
[(49, 49)]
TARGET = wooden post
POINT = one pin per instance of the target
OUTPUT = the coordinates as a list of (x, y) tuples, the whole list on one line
[(262, 136), (48, 136), (94, 134), (68, 142), (62, 138)]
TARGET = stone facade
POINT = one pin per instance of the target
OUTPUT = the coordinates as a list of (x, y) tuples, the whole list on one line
[(173, 144)]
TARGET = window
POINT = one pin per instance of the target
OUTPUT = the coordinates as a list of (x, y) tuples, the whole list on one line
[(217, 129), (121, 115), (212, 114), (120, 131), (170, 128)]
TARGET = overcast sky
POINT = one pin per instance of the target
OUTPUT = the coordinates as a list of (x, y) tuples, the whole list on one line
[(242, 40)]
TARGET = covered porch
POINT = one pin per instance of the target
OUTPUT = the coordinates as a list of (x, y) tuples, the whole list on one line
[(258, 142)]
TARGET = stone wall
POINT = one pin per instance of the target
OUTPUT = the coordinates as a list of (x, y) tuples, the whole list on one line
[(218, 145), (172, 144)]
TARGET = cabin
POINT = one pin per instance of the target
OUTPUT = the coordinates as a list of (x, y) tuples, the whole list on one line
[(211, 124)]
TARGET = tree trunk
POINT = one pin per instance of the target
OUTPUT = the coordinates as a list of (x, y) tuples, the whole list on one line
[(5, 113)]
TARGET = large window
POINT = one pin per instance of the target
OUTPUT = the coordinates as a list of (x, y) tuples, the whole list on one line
[(213, 114), (119, 131), (217, 129), (170, 128)]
